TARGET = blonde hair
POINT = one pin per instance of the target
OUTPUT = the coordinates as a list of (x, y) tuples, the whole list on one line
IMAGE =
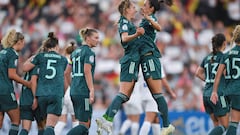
[(236, 35), (11, 38), (86, 32), (123, 6)]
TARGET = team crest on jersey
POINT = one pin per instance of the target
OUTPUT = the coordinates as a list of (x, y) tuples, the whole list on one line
[(91, 59), (125, 27)]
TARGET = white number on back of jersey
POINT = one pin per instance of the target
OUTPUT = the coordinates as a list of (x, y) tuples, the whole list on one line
[(76, 71), (50, 67)]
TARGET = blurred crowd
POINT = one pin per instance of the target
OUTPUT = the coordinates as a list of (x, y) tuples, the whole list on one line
[(187, 29)]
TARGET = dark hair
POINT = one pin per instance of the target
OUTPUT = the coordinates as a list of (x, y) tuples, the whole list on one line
[(50, 42), (70, 48), (123, 6), (217, 42), (155, 4), (167, 2), (87, 32)]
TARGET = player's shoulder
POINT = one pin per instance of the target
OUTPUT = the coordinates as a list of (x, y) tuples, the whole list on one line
[(123, 20)]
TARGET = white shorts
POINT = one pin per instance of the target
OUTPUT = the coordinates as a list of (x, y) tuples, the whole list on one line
[(150, 106), (132, 109), (133, 106), (67, 103)]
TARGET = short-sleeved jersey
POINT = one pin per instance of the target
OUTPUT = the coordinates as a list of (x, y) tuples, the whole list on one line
[(149, 37), (8, 59), (51, 73), (26, 97), (130, 47), (82, 55), (210, 69), (232, 63)]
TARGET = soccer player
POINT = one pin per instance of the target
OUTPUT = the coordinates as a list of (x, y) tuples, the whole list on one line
[(141, 100), (229, 66), (28, 109), (133, 109), (82, 89), (207, 72), (150, 60), (12, 42), (67, 103), (129, 35), (144, 47), (50, 84)]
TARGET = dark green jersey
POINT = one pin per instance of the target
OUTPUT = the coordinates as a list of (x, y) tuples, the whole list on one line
[(131, 47), (232, 64), (149, 37), (79, 57), (210, 70), (51, 73), (8, 59), (26, 97)]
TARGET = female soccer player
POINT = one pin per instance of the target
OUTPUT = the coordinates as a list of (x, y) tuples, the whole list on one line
[(229, 66), (12, 42), (133, 109), (129, 63), (82, 90), (207, 72), (28, 109), (150, 61), (145, 48), (67, 103), (140, 101), (50, 84)]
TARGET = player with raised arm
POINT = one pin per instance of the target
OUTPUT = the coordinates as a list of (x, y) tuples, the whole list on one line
[(50, 84), (207, 72), (229, 66), (12, 42), (28, 108)]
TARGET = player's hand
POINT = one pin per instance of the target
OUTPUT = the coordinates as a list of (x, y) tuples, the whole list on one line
[(173, 95), (29, 84), (35, 103), (140, 31), (144, 14), (214, 97), (91, 97)]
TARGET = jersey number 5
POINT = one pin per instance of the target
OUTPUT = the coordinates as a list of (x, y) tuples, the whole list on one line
[(50, 67)]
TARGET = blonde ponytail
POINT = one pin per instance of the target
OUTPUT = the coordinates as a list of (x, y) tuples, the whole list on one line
[(8, 40), (236, 35)]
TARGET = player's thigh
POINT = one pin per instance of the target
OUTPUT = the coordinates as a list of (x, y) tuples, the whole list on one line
[(82, 108), (26, 112), (8, 102), (129, 70), (127, 88), (151, 67), (132, 109)]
